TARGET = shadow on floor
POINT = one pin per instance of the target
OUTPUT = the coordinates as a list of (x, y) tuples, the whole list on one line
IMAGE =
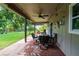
[(32, 49)]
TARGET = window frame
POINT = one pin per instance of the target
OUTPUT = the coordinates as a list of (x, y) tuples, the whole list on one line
[(72, 31)]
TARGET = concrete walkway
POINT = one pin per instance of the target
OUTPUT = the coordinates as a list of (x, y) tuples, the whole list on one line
[(14, 49)]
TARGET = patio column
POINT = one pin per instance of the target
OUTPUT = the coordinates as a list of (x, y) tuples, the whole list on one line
[(25, 30), (34, 28), (51, 29)]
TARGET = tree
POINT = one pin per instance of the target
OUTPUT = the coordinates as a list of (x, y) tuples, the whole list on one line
[(10, 21), (42, 27), (30, 28)]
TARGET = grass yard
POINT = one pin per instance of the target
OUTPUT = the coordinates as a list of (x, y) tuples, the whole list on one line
[(10, 38)]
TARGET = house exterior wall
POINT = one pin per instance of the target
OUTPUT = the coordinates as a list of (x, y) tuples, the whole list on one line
[(48, 30), (68, 43)]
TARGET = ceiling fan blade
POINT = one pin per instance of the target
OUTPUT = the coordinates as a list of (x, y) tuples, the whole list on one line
[(45, 15)]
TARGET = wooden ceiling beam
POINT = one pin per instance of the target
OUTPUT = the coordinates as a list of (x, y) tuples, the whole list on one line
[(18, 10), (39, 23)]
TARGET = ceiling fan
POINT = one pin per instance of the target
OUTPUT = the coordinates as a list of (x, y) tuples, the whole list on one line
[(41, 15)]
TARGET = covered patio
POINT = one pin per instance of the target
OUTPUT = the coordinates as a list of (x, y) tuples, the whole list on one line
[(38, 14), (59, 18)]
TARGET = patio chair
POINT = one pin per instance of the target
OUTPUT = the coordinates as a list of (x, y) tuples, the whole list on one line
[(35, 38)]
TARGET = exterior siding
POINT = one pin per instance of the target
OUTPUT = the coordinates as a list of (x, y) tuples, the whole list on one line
[(68, 43)]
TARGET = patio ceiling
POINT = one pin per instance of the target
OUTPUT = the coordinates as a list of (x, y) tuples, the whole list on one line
[(33, 11)]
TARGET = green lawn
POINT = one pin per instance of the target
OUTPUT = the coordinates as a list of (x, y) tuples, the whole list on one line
[(10, 38)]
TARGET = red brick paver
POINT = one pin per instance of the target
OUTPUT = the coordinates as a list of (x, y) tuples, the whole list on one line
[(29, 49)]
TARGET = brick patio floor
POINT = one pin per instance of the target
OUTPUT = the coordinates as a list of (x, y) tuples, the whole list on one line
[(21, 48), (33, 49)]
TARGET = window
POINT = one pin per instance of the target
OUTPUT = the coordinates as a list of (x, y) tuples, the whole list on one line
[(74, 18)]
